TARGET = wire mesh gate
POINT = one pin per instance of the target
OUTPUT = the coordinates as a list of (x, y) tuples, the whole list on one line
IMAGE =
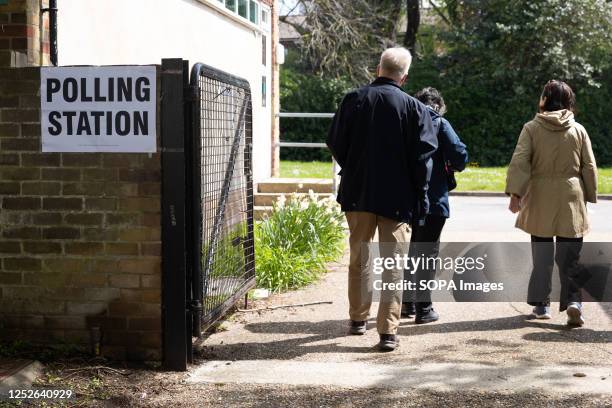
[(221, 186), (208, 260)]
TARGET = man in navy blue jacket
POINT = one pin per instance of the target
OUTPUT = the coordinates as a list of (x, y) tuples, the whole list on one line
[(383, 140)]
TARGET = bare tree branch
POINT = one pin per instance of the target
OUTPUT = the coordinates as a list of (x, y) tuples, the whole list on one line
[(345, 38), (440, 12)]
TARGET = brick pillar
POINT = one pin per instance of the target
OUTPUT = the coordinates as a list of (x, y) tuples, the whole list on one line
[(22, 41)]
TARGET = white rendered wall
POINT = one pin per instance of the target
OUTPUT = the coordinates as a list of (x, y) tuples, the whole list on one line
[(112, 32)]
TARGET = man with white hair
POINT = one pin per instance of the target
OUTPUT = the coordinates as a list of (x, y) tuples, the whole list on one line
[(383, 139)]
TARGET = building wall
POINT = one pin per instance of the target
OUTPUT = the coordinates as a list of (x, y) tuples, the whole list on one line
[(145, 31), (79, 236)]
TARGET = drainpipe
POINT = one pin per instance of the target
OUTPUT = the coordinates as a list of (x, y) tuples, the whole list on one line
[(52, 10), (275, 87)]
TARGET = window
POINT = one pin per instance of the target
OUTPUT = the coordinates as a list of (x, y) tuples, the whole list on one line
[(264, 90), (254, 12), (230, 4), (264, 17), (246, 9), (243, 8), (264, 47)]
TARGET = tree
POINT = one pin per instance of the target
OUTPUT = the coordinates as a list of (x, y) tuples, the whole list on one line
[(413, 21), (497, 55), (523, 40), (344, 39)]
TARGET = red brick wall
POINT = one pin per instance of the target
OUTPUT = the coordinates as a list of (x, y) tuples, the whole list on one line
[(80, 241), (24, 34)]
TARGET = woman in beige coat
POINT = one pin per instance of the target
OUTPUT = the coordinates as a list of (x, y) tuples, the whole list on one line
[(550, 178)]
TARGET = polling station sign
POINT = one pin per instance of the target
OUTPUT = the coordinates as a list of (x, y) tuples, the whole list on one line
[(98, 109)]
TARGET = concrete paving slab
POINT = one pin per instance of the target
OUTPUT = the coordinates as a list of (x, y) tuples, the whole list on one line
[(437, 376), (18, 373)]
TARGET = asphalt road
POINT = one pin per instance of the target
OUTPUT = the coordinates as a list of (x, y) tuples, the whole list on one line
[(487, 219)]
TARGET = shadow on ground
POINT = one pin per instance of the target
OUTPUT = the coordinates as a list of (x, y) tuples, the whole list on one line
[(557, 333), (302, 337), (291, 346)]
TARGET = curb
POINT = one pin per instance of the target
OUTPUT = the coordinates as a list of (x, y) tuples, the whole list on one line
[(603, 197)]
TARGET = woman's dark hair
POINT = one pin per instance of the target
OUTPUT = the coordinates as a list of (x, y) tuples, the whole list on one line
[(432, 98), (558, 95)]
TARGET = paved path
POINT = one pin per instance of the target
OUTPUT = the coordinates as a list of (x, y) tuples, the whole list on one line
[(483, 347), (17, 374)]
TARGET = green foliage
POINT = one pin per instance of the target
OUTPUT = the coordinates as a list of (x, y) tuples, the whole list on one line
[(594, 112), (486, 121), (293, 244), (302, 92), (228, 254), (527, 41), (496, 56), (490, 59), (228, 262)]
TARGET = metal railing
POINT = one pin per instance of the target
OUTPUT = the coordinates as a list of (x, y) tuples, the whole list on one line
[(310, 145)]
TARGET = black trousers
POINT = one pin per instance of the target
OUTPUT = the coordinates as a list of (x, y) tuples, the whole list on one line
[(424, 241), (566, 253)]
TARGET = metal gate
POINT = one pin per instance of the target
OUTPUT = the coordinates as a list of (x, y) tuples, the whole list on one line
[(223, 260), (208, 257)]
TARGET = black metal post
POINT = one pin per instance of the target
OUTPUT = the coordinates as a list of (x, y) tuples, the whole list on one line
[(194, 187), (176, 321), (53, 31)]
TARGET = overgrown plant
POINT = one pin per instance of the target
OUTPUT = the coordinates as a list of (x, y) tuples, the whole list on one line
[(295, 241)]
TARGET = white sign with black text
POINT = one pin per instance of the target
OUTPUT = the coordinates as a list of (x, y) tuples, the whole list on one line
[(98, 109)]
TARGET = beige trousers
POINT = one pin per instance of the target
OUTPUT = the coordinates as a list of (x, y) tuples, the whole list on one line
[(362, 226)]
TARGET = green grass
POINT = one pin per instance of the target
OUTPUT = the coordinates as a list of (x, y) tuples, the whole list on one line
[(482, 179), (472, 179), (494, 179), (295, 169), (605, 181)]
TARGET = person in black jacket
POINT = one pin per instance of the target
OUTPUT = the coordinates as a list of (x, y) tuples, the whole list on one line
[(451, 156), (383, 140)]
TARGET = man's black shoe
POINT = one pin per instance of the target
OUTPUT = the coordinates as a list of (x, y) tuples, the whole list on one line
[(408, 309), (428, 317), (388, 342), (358, 326)]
